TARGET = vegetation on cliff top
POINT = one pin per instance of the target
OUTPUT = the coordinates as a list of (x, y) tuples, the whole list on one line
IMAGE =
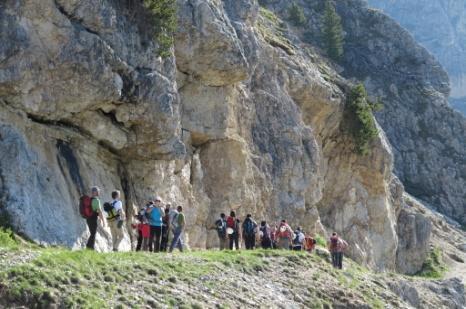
[(273, 30), (162, 14), (332, 32), (362, 122), (296, 15)]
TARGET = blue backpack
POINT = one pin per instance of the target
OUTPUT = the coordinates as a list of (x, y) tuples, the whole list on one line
[(249, 227)]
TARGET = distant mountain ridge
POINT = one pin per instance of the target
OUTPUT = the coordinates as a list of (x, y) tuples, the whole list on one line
[(440, 26)]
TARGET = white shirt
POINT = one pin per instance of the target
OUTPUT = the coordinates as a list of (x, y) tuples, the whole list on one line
[(118, 205), (301, 237)]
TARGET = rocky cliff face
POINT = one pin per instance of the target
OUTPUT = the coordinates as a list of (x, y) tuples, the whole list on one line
[(243, 117), (428, 138), (440, 26)]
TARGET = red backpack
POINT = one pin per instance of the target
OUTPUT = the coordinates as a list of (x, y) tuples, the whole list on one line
[(231, 222), (85, 207), (333, 243)]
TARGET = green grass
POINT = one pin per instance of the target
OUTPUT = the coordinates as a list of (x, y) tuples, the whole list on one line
[(434, 266), (90, 279), (7, 239)]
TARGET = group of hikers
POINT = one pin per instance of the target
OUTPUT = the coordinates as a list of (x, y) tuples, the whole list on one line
[(279, 236), (154, 222)]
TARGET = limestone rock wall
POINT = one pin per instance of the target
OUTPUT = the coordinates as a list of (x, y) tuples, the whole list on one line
[(233, 121)]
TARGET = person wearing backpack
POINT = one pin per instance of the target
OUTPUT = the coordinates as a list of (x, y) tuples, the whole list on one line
[(91, 210), (249, 232), (336, 247), (165, 229), (155, 213), (298, 241), (221, 227), (178, 224), (284, 236), (115, 219), (309, 243), (265, 235), (233, 230)]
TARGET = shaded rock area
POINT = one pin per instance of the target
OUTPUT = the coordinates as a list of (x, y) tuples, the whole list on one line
[(439, 26), (244, 116)]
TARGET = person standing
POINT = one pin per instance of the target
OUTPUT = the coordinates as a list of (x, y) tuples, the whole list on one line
[(336, 247), (265, 235), (179, 223), (233, 235), (309, 243), (249, 232), (298, 240), (155, 214), (115, 219), (143, 228), (165, 229), (284, 235), (221, 227), (91, 221)]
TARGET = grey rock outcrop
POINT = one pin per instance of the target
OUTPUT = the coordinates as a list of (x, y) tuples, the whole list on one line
[(440, 26), (414, 230), (241, 117)]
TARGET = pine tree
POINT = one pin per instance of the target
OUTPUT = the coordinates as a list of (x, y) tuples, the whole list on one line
[(333, 32), (296, 15), (163, 18)]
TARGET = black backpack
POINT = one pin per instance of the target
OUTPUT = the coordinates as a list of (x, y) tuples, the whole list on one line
[(296, 239), (265, 235)]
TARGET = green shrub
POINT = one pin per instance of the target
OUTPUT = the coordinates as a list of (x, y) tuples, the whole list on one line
[(320, 240), (162, 14), (296, 15), (433, 266), (7, 239), (333, 32), (362, 122)]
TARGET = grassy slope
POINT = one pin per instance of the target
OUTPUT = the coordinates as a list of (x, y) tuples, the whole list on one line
[(55, 277)]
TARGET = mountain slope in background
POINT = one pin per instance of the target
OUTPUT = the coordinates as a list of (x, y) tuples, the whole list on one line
[(440, 26)]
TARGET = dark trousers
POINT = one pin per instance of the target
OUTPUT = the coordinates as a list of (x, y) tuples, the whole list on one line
[(139, 244), (266, 243), (250, 241), (164, 240), (92, 224), (337, 259), (234, 239), (155, 233)]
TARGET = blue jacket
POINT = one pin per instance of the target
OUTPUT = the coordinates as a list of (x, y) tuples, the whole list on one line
[(155, 217)]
